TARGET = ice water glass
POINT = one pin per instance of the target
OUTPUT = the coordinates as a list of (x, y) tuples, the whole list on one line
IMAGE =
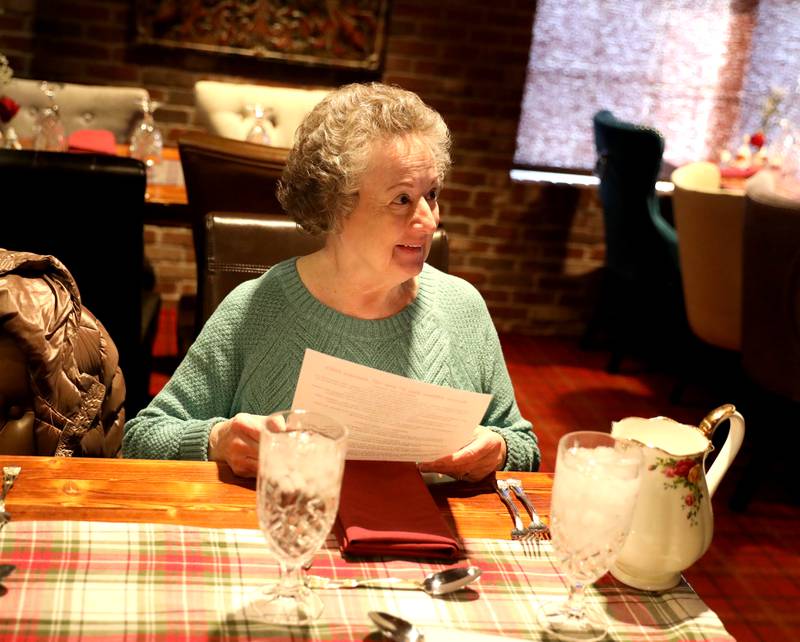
[(300, 466), (597, 479)]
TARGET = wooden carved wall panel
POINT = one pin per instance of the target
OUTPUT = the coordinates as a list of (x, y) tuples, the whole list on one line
[(338, 33)]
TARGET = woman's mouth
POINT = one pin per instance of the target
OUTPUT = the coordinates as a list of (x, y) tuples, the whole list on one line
[(413, 253), (410, 250)]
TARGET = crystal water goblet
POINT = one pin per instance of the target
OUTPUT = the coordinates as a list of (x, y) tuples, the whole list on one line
[(300, 466), (597, 479), (259, 132), (49, 134), (147, 141)]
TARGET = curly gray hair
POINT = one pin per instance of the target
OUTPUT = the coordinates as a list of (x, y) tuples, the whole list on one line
[(333, 144)]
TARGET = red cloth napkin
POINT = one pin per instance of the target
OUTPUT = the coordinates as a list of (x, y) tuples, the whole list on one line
[(92, 140), (385, 509)]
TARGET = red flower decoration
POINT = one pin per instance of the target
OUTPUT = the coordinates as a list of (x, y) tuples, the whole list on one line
[(683, 467), (757, 139), (8, 108)]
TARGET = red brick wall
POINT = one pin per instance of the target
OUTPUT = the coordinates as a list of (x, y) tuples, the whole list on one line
[(532, 250)]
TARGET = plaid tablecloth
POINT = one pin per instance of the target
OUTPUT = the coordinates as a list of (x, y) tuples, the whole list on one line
[(112, 581)]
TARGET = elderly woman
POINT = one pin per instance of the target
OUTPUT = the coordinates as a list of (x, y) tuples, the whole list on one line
[(366, 171)]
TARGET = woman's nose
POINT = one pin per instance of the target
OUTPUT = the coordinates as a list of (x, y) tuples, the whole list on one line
[(427, 215)]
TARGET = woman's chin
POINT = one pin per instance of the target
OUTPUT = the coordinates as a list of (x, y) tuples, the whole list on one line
[(411, 269)]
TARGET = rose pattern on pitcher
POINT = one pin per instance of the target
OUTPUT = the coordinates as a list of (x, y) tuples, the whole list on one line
[(683, 475)]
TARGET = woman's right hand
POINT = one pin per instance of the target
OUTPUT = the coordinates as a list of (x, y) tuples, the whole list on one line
[(235, 441)]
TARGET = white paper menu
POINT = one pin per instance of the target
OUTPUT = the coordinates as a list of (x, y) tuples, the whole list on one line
[(388, 417)]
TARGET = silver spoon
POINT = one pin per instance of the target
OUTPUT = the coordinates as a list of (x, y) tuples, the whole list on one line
[(439, 583), (395, 628)]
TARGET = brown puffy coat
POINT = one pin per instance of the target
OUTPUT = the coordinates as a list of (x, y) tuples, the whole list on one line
[(76, 389)]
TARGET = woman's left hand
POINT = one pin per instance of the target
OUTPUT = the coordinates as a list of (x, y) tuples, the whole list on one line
[(479, 458)]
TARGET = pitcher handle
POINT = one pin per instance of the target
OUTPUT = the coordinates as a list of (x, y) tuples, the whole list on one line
[(729, 448)]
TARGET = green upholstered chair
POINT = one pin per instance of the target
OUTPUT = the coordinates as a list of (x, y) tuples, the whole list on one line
[(641, 304)]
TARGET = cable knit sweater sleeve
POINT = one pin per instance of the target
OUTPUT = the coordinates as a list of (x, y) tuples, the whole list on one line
[(177, 423), (503, 415), (479, 347)]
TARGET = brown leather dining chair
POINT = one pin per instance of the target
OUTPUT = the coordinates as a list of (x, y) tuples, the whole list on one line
[(242, 246), (770, 331), (222, 174)]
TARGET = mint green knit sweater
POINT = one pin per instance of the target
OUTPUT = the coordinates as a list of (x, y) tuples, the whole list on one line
[(248, 357)]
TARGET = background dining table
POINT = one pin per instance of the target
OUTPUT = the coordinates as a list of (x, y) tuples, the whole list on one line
[(170, 550), (165, 185), (166, 201)]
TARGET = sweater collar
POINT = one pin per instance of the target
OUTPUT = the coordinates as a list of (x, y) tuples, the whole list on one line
[(311, 309)]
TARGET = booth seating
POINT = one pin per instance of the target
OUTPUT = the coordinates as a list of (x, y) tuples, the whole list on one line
[(225, 109), (79, 106)]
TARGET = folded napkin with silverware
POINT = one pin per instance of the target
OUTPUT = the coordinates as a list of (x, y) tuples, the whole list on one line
[(385, 509)]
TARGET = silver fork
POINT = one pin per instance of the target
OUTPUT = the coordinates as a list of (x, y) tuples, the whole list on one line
[(537, 529), (10, 474), (501, 486)]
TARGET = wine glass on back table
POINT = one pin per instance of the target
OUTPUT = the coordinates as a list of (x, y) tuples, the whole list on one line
[(300, 466), (596, 483), (147, 141), (49, 134)]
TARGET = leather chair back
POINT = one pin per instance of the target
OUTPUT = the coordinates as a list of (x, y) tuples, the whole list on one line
[(79, 106), (241, 246), (226, 175), (221, 173), (771, 288), (88, 211), (709, 223)]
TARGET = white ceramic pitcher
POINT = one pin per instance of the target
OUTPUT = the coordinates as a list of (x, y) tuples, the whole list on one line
[(673, 522)]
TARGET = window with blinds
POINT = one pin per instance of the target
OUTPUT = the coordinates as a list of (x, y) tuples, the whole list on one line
[(699, 71)]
